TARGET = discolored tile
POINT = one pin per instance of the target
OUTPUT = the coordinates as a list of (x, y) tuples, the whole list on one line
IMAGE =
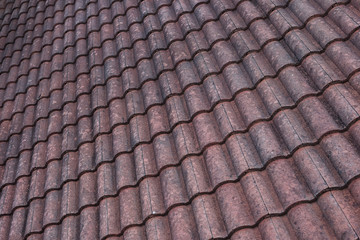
[(185, 119)]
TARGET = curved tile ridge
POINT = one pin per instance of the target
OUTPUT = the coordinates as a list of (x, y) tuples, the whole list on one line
[(177, 94), (176, 40), (270, 118), (41, 11), (201, 152), (213, 191), (147, 80), (16, 18), (143, 39), (232, 232), (41, 24), (167, 70), (168, 96), (17, 25), (113, 17), (270, 11), (59, 70), (164, 70), (9, 13), (76, 11), (174, 207), (53, 27), (5, 8), (287, 210)]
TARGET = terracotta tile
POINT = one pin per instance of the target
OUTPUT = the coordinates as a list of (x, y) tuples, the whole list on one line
[(51, 232), (144, 161), (293, 129), (347, 169), (186, 119), (218, 165), (34, 220), (108, 217), (17, 224), (195, 176), (182, 221), (70, 228), (208, 219), (321, 172), (157, 228), (270, 146), (135, 233), (5, 226), (173, 187), (90, 228), (228, 118)]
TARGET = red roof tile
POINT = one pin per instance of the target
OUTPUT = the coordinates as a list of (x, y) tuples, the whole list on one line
[(183, 119)]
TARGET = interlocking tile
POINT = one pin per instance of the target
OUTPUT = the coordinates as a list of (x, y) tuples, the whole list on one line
[(183, 119)]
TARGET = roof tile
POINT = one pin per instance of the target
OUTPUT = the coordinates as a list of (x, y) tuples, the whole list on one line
[(185, 119)]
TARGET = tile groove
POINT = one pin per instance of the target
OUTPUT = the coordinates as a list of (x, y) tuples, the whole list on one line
[(168, 70), (243, 131)]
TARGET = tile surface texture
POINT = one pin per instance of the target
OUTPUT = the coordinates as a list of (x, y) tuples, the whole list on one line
[(180, 119)]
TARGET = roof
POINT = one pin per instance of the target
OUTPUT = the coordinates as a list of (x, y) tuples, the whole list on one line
[(183, 119)]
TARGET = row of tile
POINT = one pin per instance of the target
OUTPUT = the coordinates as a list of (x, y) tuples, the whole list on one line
[(6, 8), (336, 104), (277, 190), (39, 47), (9, 172), (12, 87), (41, 13), (150, 20), (118, 9), (197, 227), (213, 89), (159, 227), (194, 141), (93, 8), (195, 137), (148, 8), (157, 161)]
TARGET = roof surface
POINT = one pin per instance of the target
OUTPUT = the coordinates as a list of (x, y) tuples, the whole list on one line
[(183, 119)]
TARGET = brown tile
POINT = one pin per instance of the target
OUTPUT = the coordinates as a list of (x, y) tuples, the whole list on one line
[(186, 119)]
